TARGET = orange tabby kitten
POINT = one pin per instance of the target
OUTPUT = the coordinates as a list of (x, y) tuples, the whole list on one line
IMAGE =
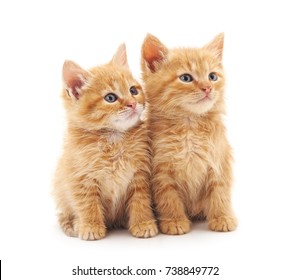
[(102, 178), (192, 174)]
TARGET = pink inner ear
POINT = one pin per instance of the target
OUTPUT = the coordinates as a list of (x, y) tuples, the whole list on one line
[(153, 52), (74, 78), (75, 85)]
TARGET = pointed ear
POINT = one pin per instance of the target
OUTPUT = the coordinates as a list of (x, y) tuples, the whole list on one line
[(153, 53), (120, 57), (216, 46), (74, 78)]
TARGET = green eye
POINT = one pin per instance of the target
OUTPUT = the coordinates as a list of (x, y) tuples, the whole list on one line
[(186, 78), (212, 76), (133, 90), (111, 97)]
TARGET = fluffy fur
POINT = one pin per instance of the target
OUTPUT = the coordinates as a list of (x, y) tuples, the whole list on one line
[(102, 179), (192, 173)]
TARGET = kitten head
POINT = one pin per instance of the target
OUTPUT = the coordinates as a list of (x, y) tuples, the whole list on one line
[(188, 80), (105, 97)]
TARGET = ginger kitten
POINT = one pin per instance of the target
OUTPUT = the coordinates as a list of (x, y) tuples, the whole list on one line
[(192, 173), (102, 179)]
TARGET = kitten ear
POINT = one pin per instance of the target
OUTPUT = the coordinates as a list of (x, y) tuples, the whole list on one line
[(153, 53), (216, 46), (120, 57), (74, 78)]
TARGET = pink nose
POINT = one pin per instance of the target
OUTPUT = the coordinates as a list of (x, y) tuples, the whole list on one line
[(132, 104), (206, 89)]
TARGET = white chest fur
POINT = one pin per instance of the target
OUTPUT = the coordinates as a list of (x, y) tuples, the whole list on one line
[(114, 175), (189, 152)]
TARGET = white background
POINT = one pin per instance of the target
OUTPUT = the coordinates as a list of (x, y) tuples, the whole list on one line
[(37, 36)]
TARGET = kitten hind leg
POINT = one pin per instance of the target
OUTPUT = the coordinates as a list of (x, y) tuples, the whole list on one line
[(67, 223), (66, 217)]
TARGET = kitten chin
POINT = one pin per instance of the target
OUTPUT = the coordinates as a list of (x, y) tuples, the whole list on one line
[(190, 106), (128, 118), (202, 106)]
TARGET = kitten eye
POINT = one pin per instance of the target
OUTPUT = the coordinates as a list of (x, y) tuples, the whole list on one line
[(187, 78), (212, 77), (111, 97), (133, 90)]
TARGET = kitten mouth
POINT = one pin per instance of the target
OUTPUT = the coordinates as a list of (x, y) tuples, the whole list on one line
[(205, 99), (132, 114)]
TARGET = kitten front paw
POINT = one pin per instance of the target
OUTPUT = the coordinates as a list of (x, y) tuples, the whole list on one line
[(91, 232), (175, 227), (223, 223), (144, 229)]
